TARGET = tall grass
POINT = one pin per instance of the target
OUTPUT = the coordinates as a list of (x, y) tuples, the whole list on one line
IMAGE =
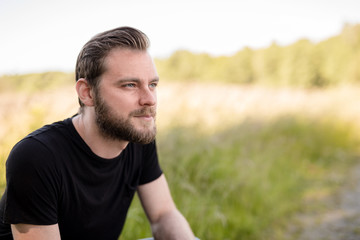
[(245, 182), (239, 161)]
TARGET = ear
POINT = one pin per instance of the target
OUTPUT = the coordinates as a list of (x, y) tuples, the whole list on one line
[(84, 92)]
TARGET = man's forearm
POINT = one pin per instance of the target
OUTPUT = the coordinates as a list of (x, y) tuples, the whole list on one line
[(172, 226)]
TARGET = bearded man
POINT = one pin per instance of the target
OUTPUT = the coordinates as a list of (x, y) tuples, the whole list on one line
[(75, 179)]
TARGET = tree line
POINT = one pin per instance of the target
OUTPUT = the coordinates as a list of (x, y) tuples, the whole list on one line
[(303, 63)]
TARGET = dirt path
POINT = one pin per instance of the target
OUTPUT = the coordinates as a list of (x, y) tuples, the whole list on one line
[(341, 218)]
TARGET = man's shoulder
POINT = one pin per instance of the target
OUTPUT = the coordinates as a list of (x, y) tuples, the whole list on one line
[(49, 130), (40, 143)]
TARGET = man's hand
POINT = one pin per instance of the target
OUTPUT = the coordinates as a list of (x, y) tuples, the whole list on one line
[(166, 221)]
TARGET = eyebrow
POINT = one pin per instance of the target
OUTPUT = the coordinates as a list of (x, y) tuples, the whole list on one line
[(126, 80)]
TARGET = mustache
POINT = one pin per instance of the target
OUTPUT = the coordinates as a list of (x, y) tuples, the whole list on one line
[(144, 111)]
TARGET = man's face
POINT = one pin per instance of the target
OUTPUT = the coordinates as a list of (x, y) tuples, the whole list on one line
[(125, 100)]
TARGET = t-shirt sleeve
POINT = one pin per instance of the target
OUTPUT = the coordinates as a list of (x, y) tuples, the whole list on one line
[(32, 185), (151, 168)]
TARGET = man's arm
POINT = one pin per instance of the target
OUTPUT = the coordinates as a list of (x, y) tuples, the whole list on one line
[(38, 232), (166, 221)]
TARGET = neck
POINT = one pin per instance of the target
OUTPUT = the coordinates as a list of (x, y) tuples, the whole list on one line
[(103, 147)]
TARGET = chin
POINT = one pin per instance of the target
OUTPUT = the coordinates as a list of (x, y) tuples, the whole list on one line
[(148, 125)]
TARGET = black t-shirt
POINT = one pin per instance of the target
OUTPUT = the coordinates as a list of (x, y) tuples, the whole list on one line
[(54, 177)]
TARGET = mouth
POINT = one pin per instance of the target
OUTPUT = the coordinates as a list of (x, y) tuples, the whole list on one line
[(145, 117), (145, 114)]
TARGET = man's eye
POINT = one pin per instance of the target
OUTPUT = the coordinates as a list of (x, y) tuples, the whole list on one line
[(153, 85), (129, 85)]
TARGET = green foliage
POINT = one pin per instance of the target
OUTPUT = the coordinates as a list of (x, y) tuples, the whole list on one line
[(303, 63), (185, 65), (35, 81), (246, 181)]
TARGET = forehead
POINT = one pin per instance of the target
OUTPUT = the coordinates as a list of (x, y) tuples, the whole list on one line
[(129, 63)]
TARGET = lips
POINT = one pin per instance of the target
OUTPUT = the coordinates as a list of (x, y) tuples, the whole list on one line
[(144, 116)]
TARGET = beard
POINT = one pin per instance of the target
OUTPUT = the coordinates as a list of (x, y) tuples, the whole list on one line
[(121, 128)]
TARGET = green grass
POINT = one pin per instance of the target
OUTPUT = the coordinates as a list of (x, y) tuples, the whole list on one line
[(246, 182)]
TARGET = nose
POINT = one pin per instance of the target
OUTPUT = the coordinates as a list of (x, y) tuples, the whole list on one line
[(148, 97)]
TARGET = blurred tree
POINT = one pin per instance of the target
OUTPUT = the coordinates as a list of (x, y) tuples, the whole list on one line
[(239, 68), (295, 67), (272, 63), (305, 64), (36, 81)]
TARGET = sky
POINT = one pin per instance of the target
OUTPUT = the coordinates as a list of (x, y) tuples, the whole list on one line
[(47, 35)]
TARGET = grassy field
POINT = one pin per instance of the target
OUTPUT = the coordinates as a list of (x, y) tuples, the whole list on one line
[(240, 161)]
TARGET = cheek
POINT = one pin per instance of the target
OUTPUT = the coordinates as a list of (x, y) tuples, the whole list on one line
[(122, 108), (120, 100)]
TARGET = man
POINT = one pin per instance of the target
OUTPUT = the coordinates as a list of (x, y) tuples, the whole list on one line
[(75, 179)]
